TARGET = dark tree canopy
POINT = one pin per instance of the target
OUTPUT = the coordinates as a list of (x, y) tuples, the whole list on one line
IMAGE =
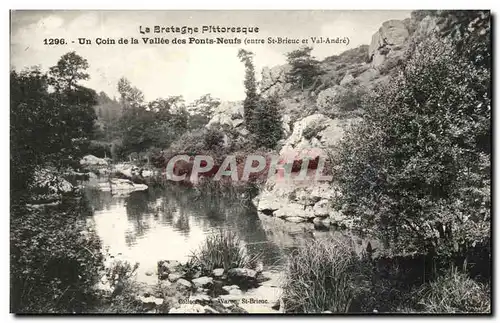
[(304, 69), (251, 99), (70, 69)]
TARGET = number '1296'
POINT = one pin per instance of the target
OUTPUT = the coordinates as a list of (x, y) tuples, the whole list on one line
[(54, 41)]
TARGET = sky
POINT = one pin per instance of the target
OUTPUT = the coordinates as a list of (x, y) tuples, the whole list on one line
[(187, 70)]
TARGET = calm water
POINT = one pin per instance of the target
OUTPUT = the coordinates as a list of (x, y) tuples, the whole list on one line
[(170, 223)]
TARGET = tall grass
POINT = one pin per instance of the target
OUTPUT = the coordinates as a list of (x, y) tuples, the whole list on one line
[(223, 249), (454, 292), (323, 275)]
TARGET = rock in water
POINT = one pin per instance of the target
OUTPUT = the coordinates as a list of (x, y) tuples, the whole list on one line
[(243, 276), (203, 281), (91, 160)]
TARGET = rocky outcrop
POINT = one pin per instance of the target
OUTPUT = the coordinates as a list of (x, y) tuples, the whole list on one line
[(392, 35), (348, 78), (120, 185), (305, 200), (91, 160), (274, 80), (47, 185), (426, 27), (315, 131), (227, 113)]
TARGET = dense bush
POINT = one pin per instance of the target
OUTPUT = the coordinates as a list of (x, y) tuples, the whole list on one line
[(416, 171), (454, 292), (55, 259), (324, 275), (304, 70), (201, 141), (154, 125), (47, 128)]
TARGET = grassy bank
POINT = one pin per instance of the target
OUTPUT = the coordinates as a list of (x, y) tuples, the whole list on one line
[(328, 275)]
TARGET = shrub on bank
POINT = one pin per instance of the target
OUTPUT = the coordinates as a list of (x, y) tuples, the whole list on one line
[(416, 171), (454, 292), (324, 275), (55, 259)]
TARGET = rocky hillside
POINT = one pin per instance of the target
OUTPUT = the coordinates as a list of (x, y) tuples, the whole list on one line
[(319, 115), (354, 71)]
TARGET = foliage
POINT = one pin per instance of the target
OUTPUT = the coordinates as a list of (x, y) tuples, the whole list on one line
[(304, 68), (123, 299), (202, 110), (108, 113), (55, 259), (416, 171), (222, 249), (324, 275), (200, 142), (69, 70), (49, 127), (130, 96), (156, 125), (454, 292), (267, 123), (470, 32), (251, 100)]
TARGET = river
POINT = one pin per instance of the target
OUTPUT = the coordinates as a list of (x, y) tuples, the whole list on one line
[(170, 223)]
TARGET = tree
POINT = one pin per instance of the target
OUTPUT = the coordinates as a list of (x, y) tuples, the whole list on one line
[(267, 123), (70, 69), (304, 69), (252, 98), (155, 124), (49, 128), (130, 96), (202, 110), (416, 171)]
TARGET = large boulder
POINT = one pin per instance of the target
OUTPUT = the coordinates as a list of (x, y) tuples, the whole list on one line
[(91, 160), (348, 78), (316, 132), (126, 169), (245, 277), (367, 76), (229, 113), (274, 80), (118, 184), (392, 35), (203, 282), (302, 200), (47, 185)]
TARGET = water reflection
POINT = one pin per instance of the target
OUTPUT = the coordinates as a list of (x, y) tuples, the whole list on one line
[(170, 223)]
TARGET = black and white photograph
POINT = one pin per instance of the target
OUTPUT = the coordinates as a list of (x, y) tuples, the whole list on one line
[(217, 162)]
